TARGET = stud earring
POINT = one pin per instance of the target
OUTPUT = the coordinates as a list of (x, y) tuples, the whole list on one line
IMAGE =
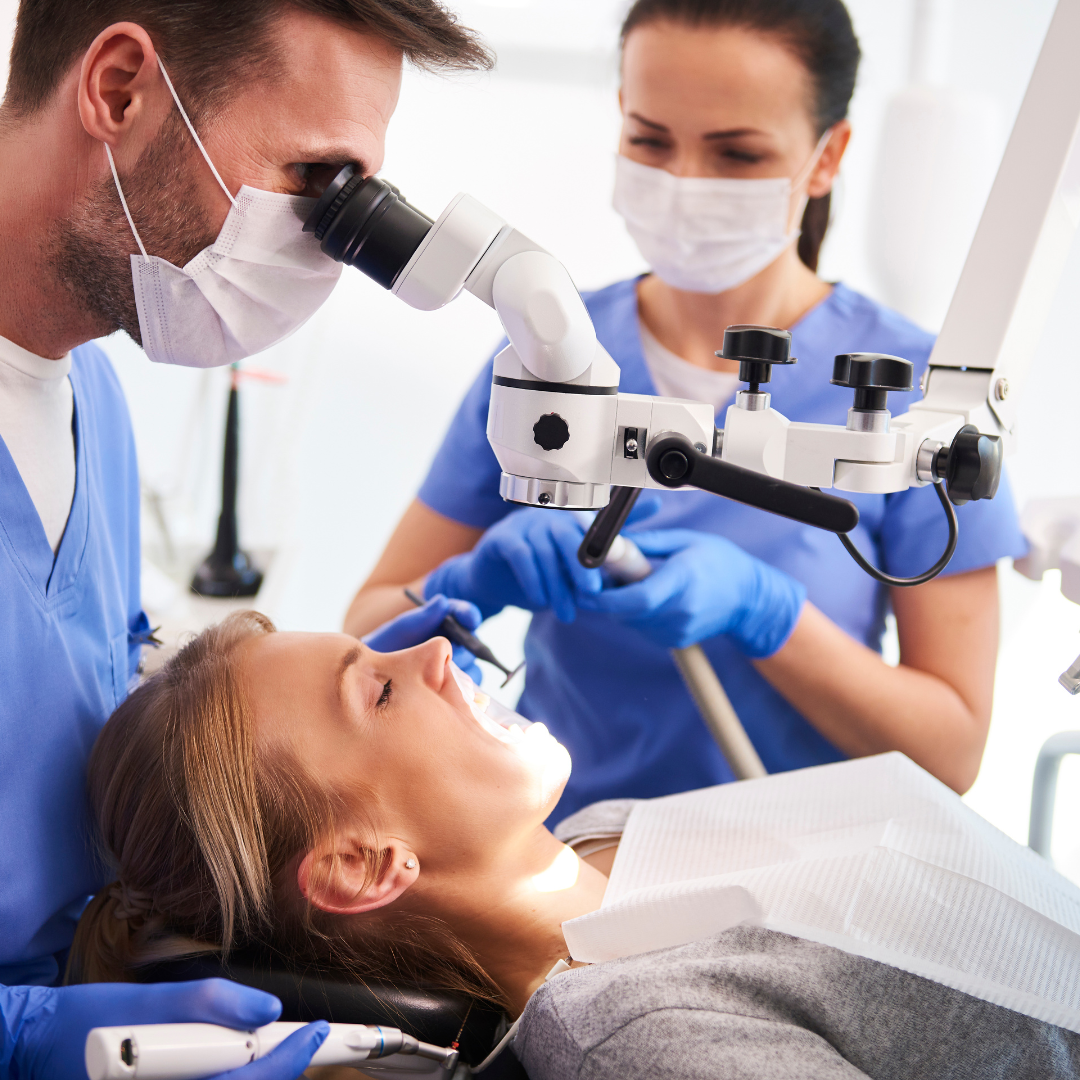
[(410, 864)]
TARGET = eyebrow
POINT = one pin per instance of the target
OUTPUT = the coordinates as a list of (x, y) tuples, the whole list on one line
[(648, 123), (347, 662), (330, 154), (732, 133)]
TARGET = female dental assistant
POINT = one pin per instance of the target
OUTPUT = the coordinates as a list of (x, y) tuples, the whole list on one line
[(734, 126)]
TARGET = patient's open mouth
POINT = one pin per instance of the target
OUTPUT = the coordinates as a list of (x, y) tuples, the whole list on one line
[(496, 719)]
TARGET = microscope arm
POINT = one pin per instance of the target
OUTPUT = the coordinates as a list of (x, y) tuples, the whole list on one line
[(559, 426)]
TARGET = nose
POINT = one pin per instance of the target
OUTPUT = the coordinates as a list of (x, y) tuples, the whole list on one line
[(431, 658)]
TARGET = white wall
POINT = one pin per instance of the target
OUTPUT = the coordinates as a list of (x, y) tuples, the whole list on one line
[(331, 459)]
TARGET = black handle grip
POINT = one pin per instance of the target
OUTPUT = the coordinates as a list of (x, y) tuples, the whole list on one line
[(673, 462), (606, 526)]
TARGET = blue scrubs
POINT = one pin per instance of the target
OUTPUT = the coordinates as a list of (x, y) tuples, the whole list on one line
[(618, 702), (70, 630)]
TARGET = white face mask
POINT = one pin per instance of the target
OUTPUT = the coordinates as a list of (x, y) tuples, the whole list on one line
[(261, 279), (708, 235)]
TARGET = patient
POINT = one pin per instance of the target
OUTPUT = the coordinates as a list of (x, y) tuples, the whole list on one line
[(350, 810)]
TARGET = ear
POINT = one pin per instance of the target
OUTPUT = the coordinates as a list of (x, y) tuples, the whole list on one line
[(824, 175), (119, 82), (336, 880)]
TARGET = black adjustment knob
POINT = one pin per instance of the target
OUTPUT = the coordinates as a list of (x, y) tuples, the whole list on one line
[(970, 466), (872, 376), (551, 432), (756, 348)]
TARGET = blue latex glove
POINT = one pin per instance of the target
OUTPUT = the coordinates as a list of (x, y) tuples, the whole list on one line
[(45, 1029), (415, 627), (527, 560), (705, 586)]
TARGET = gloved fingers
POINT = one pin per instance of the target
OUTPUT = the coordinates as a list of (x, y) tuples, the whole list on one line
[(552, 567), (648, 503), (286, 1061), (206, 1001), (466, 613), (410, 628), (467, 662), (520, 556), (641, 598), (658, 543), (567, 532)]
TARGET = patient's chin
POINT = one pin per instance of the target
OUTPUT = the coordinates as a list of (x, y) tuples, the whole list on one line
[(549, 762)]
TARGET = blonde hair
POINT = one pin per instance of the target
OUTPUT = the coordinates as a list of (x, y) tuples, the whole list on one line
[(203, 833)]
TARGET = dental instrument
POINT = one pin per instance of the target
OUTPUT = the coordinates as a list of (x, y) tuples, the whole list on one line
[(456, 634), (194, 1051)]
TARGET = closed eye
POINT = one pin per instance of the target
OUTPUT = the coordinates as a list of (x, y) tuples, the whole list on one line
[(384, 697), (313, 177)]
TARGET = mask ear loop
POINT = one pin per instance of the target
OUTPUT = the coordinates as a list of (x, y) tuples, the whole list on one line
[(804, 173), (123, 202), (198, 143), (194, 135)]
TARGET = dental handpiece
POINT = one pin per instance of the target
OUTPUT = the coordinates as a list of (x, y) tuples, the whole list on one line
[(451, 629), (196, 1051)]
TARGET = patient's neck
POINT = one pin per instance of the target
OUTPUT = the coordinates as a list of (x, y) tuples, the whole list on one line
[(511, 913)]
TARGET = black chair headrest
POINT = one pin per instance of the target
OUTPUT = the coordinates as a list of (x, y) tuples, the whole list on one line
[(434, 1016)]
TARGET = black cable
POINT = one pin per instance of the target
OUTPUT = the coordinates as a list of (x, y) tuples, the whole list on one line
[(921, 579)]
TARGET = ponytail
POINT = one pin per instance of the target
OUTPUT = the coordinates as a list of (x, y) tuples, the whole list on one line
[(119, 931), (815, 224)]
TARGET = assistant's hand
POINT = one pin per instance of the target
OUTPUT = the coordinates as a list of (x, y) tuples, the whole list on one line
[(528, 560), (705, 586), (51, 1040), (416, 627)]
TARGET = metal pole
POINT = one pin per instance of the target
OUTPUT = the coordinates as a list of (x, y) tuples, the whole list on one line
[(1044, 788), (625, 563), (718, 712)]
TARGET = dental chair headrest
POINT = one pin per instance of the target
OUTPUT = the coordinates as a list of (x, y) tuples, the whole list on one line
[(433, 1016)]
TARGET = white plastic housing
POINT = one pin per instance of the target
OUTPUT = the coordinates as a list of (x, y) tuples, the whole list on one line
[(514, 411), (194, 1051), (448, 254), (1052, 529), (1023, 240), (544, 316)]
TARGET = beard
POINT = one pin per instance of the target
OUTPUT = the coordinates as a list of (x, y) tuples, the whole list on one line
[(91, 254)]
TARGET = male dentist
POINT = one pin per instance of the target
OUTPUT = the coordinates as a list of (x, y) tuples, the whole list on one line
[(155, 156)]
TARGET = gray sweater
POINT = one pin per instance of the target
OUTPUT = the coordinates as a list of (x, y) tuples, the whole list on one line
[(753, 1004)]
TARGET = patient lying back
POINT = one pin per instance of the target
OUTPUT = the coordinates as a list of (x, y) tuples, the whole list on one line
[(350, 810)]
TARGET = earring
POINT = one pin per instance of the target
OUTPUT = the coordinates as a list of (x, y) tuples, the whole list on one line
[(410, 864)]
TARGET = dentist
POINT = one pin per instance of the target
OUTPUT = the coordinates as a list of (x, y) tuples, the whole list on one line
[(734, 128), (156, 162)]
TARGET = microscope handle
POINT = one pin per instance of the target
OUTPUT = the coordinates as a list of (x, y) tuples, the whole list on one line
[(606, 526), (673, 462)]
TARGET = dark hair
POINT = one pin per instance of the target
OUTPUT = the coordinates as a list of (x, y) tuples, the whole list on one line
[(819, 32), (210, 44)]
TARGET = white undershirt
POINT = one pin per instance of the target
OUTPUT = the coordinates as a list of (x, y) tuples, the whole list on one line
[(675, 377), (36, 408)]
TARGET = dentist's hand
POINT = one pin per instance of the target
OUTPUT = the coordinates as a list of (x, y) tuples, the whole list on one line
[(528, 560), (52, 1025), (704, 586), (415, 627)]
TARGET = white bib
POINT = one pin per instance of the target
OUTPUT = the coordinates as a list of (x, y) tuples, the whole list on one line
[(874, 857)]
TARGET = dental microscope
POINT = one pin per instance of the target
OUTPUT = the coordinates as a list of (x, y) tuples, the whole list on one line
[(566, 438)]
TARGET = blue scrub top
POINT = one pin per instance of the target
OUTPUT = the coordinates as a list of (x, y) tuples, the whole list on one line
[(70, 631), (618, 702)]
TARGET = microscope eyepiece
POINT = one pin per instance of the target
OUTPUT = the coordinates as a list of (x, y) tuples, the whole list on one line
[(367, 224)]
